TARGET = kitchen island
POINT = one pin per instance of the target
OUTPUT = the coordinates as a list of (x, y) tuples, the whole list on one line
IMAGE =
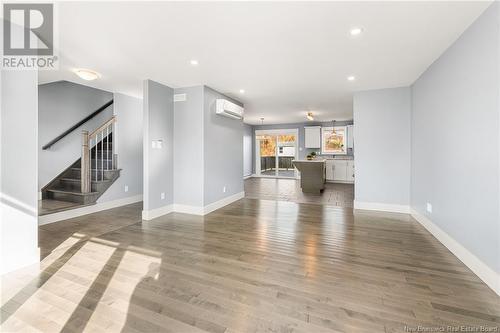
[(312, 175)]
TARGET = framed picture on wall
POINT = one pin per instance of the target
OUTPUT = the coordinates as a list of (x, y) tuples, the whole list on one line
[(334, 140)]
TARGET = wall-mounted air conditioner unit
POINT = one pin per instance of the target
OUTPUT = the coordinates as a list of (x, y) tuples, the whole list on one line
[(226, 108)]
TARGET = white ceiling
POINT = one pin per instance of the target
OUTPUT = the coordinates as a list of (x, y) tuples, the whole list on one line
[(289, 57)]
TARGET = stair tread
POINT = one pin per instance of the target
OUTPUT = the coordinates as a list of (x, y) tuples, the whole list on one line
[(71, 192)]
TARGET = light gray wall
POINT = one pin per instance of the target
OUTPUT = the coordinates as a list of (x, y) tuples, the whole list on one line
[(128, 143), (223, 151), (382, 130), (455, 140), (248, 150), (61, 105), (18, 178), (158, 121), (303, 152), (188, 148)]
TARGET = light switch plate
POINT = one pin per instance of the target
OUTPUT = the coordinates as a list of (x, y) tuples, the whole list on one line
[(429, 208)]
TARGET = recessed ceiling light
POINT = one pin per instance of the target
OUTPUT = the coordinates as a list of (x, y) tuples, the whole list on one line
[(87, 74), (310, 116), (242, 91), (351, 78), (356, 31), (194, 62)]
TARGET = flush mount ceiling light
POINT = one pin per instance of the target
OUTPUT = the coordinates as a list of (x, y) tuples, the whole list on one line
[(351, 78), (242, 91), (310, 116), (356, 31), (194, 62), (87, 74)]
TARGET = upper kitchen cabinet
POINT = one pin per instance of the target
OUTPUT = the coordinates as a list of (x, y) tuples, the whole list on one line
[(312, 136), (350, 136)]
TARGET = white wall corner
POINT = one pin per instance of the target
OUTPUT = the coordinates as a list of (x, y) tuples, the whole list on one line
[(100, 206), (381, 207), (483, 271), (157, 212)]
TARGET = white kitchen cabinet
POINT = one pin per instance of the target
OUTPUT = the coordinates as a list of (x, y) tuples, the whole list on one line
[(312, 136), (350, 136), (341, 171), (329, 170)]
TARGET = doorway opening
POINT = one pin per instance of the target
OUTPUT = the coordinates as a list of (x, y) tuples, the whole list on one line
[(274, 151)]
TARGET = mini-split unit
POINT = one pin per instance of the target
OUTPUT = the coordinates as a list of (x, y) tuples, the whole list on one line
[(228, 109)]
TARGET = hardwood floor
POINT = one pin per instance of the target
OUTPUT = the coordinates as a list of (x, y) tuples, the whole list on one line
[(252, 266), (341, 195)]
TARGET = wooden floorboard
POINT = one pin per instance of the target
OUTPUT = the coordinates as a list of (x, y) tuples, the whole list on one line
[(253, 266)]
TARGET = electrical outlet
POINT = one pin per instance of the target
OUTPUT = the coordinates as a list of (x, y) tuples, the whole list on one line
[(429, 208), (224, 189), (162, 196), (126, 188)]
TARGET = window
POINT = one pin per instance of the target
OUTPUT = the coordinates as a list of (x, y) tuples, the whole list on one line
[(333, 140)]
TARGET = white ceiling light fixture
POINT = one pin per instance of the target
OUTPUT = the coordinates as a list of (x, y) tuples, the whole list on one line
[(194, 62), (351, 78), (242, 91), (310, 116), (87, 74), (356, 31)]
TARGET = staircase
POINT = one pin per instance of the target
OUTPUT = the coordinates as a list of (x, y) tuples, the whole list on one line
[(83, 182)]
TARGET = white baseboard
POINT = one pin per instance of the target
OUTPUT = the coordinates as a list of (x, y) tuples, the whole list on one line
[(69, 214), (223, 202), (382, 207), (484, 272), (248, 176), (188, 209), (157, 212)]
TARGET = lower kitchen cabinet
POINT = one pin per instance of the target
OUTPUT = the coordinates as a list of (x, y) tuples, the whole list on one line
[(340, 171)]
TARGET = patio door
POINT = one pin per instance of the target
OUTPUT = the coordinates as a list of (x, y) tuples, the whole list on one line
[(275, 151)]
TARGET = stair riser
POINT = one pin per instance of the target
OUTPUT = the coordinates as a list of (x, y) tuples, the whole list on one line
[(84, 200), (76, 186)]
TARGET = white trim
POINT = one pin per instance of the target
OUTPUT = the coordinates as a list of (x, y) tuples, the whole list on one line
[(248, 176), (71, 213), (157, 212), (485, 273), (188, 209), (223, 202), (39, 195), (382, 207), (193, 210)]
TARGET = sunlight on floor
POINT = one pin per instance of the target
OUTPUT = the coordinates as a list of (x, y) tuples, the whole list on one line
[(90, 286)]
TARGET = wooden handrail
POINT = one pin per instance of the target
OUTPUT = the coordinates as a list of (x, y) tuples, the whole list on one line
[(75, 126), (102, 127)]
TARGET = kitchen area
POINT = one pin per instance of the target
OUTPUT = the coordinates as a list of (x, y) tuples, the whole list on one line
[(280, 151), (334, 162)]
